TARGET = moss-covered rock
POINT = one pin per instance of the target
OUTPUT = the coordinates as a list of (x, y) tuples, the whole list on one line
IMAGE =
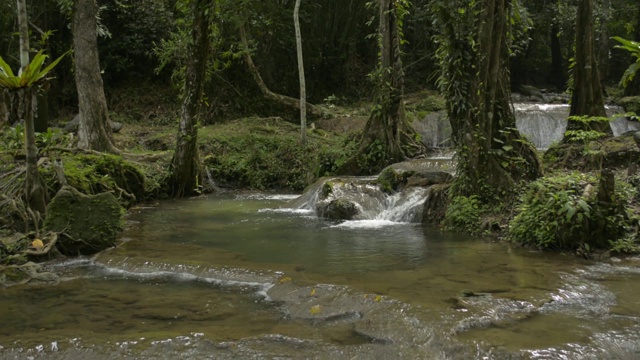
[(391, 180), (87, 223), (93, 174), (613, 152), (338, 209), (630, 104)]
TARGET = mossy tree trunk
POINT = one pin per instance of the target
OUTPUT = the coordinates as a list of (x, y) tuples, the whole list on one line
[(387, 137), (474, 58), (186, 175), (587, 98), (94, 131)]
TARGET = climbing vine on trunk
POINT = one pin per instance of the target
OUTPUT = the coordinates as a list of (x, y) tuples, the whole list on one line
[(474, 55), (388, 137)]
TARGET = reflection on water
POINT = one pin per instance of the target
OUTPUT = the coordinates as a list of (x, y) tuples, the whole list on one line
[(194, 277)]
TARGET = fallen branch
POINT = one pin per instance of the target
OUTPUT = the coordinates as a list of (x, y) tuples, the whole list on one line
[(286, 100)]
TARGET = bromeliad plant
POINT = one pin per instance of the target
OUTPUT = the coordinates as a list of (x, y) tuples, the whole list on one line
[(28, 79), (32, 75)]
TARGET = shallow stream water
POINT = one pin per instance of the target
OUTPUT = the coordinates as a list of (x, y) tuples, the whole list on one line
[(242, 276)]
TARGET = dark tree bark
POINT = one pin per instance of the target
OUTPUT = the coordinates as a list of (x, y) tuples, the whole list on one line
[(94, 131), (558, 76), (35, 188), (492, 155), (603, 42), (185, 165), (587, 98), (387, 137)]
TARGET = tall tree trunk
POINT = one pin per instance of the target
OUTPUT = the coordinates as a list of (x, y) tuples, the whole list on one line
[(492, 155), (35, 188), (558, 76), (387, 137), (587, 98), (303, 89), (603, 46), (94, 131), (185, 164)]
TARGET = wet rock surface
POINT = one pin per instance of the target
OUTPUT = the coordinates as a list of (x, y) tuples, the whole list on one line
[(29, 273), (86, 223)]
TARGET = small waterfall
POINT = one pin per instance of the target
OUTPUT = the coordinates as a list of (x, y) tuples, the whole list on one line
[(405, 206), (211, 185), (371, 203), (542, 124)]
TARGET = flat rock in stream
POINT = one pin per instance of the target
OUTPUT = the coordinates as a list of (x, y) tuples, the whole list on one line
[(29, 273)]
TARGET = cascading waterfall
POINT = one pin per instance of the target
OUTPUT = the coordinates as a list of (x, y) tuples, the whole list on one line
[(542, 124), (372, 203)]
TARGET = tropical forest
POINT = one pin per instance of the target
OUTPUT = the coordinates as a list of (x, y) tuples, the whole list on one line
[(298, 179)]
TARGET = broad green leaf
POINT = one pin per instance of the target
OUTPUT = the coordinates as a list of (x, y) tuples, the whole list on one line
[(5, 68)]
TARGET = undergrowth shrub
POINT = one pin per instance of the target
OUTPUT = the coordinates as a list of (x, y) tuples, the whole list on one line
[(464, 214), (562, 213), (267, 154)]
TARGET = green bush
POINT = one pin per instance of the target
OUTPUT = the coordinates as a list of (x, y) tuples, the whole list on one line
[(562, 213)]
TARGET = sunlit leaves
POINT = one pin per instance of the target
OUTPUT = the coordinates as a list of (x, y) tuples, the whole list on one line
[(633, 48), (32, 74)]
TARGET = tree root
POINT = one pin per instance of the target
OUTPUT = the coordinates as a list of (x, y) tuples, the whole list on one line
[(46, 249)]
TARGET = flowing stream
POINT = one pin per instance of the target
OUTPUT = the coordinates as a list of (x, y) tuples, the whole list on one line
[(255, 276)]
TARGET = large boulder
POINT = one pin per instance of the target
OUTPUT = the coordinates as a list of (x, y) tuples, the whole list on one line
[(87, 223), (630, 104)]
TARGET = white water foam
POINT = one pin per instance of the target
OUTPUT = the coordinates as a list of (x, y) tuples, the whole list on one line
[(367, 224), (282, 197), (288, 211)]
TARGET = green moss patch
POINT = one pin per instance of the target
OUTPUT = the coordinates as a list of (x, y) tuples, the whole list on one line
[(266, 153)]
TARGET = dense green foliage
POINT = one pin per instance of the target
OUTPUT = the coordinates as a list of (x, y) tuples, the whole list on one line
[(561, 213), (275, 160)]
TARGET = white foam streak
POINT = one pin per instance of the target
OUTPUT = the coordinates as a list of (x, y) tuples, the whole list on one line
[(367, 224)]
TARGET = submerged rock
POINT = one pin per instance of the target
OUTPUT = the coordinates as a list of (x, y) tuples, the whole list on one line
[(27, 273), (86, 223)]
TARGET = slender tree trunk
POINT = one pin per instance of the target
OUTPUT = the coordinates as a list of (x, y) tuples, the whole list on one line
[(185, 165), (387, 137), (587, 98), (35, 188), (303, 90), (94, 131)]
